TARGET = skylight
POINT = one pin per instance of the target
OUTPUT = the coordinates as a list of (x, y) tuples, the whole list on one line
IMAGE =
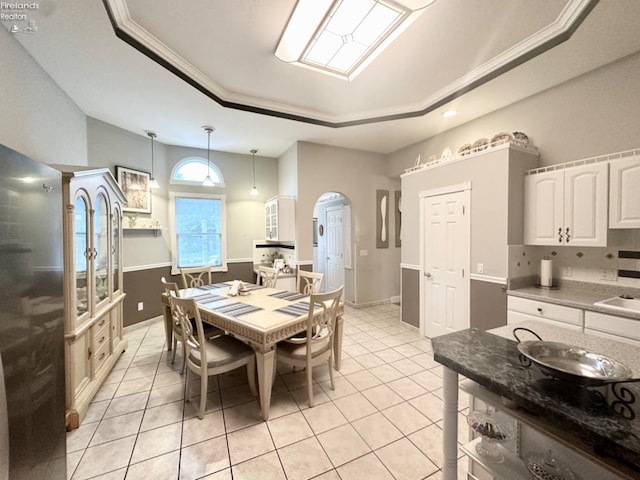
[(341, 37)]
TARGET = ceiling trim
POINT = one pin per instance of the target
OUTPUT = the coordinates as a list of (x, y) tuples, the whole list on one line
[(129, 31)]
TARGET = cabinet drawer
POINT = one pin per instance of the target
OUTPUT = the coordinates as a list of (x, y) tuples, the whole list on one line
[(627, 328), (514, 317), (102, 333), (102, 353), (549, 311)]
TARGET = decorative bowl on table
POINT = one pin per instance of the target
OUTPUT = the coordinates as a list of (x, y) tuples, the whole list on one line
[(493, 432), (546, 467)]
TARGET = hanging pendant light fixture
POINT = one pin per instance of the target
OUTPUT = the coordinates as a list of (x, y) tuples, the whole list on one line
[(208, 181), (254, 190), (153, 183)]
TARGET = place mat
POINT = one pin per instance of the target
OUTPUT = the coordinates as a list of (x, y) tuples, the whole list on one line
[(296, 309), (215, 285), (236, 309), (207, 297), (253, 286), (291, 296)]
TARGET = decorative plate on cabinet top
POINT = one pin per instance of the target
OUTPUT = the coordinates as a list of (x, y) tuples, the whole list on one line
[(500, 138), (480, 144), (521, 138), (465, 149), (447, 154)]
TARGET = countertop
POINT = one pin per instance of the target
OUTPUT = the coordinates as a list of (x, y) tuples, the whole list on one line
[(576, 298), (491, 359), (291, 273)]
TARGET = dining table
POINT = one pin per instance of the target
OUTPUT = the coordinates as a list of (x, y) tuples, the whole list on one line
[(261, 317)]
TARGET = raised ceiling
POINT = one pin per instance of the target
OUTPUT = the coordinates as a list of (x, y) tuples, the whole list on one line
[(173, 66)]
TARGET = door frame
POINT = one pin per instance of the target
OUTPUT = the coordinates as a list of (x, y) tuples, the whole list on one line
[(464, 188)]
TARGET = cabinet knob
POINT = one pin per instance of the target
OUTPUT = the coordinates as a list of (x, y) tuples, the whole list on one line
[(539, 310)]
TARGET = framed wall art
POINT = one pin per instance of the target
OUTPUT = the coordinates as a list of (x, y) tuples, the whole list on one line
[(135, 185), (382, 218)]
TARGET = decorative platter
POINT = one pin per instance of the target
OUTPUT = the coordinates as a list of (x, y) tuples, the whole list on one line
[(465, 149), (480, 144), (500, 138)]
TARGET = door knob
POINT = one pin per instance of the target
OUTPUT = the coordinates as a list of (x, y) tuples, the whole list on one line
[(427, 274)]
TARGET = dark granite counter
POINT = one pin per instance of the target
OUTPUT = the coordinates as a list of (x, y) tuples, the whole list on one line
[(492, 360)]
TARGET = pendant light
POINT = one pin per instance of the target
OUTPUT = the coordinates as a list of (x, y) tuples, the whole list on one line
[(254, 190), (208, 181), (153, 183)]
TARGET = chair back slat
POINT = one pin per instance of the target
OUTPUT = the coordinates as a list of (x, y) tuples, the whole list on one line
[(185, 310), (308, 282), (268, 276), (321, 327), (194, 277)]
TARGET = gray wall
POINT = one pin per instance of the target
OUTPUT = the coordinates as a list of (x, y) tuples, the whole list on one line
[(591, 115), (356, 175), (38, 119)]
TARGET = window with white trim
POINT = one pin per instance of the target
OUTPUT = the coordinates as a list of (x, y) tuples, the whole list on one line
[(199, 230), (193, 171)]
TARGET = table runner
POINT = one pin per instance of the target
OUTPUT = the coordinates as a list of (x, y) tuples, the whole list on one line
[(236, 309), (296, 309), (291, 296)]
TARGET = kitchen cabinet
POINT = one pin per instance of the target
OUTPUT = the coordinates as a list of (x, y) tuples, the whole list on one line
[(567, 206), (280, 219), (92, 238), (624, 199), (613, 327), (522, 309)]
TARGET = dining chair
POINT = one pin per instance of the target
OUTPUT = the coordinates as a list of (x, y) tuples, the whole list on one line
[(172, 290), (213, 356), (193, 277), (268, 276), (308, 282), (317, 347)]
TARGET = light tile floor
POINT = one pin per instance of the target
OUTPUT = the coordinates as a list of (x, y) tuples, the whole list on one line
[(382, 421)]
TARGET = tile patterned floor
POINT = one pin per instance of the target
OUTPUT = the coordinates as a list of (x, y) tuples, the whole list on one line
[(382, 421)]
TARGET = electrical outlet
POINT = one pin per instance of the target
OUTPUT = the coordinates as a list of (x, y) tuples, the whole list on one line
[(609, 274), (480, 268), (140, 306), (566, 271)]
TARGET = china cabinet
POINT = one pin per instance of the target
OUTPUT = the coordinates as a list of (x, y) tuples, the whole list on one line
[(624, 207), (93, 298), (566, 205), (280, 220)]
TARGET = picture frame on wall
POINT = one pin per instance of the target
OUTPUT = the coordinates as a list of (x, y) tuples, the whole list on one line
[(135, 186)]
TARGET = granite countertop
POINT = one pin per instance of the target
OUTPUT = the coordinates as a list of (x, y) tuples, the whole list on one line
[(577, 298), (491, 359)]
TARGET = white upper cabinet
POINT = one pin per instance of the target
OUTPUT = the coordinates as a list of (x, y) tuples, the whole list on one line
[(280, 219), (624, 193), (567, 206)]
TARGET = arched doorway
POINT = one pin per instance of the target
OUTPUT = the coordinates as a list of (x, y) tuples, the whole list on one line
[(332, 238)]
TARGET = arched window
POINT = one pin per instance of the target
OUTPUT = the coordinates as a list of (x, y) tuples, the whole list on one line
[(193, 170)]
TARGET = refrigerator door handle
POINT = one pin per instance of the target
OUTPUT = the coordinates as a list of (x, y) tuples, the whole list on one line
[(4, 428)]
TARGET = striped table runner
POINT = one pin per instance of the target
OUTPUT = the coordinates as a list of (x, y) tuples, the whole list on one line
[(291, 296), (236, 309), (296, 309)]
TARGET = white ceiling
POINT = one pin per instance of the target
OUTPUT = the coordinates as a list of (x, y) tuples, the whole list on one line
[(202, 54)]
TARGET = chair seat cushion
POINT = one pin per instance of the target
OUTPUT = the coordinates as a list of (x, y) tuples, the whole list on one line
[(222, 350), (299, 350)]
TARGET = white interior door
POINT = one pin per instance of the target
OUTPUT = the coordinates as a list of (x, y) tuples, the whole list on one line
[(445, 260), (334, 274)]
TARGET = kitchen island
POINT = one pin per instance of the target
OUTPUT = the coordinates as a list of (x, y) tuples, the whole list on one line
[(567, 414)]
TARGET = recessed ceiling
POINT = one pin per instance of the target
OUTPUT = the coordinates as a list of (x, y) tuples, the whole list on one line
[(173, 66)]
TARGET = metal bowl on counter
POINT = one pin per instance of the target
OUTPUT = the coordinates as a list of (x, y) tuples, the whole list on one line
[(571, 363)]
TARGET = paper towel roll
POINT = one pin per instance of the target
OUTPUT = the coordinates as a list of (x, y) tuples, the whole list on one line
[(546, 272)]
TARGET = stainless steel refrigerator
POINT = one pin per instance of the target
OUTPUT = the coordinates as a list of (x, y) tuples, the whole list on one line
[(32, 381)]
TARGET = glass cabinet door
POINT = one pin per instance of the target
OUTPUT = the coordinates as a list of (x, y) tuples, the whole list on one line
[(101, 248), (115, 249), (81, 254)]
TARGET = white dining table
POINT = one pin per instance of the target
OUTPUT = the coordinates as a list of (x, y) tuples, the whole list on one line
[(257, 318)]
